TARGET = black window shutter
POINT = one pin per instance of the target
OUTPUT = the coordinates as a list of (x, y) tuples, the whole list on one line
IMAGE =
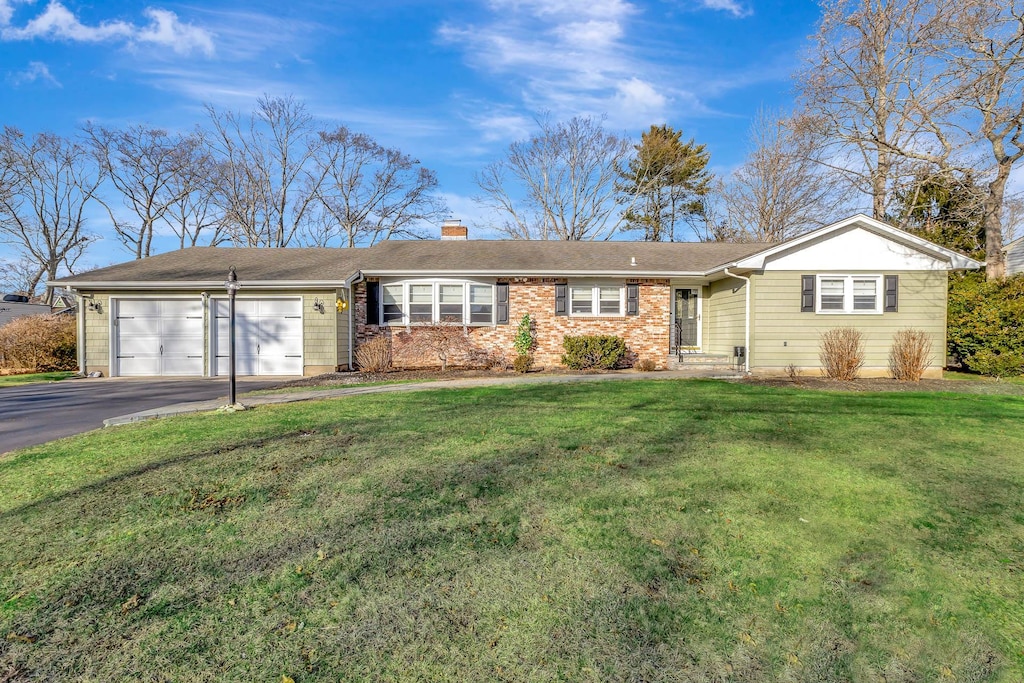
[(632, 299), (807, 294), (892, 293), (502, 307), (372, 303), (560, 295)]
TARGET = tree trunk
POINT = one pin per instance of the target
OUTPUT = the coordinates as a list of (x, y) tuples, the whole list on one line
[(995, 260), (879, 182)]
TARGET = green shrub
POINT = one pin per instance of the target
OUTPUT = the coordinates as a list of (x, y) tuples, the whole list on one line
[(525, 338), (523, 363), (986, 323), (593, 351)]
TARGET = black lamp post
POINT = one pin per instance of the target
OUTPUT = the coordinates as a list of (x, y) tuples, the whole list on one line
[(232, 286)]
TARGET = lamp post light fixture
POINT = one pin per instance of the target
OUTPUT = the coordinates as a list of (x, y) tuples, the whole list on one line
[(232, 286)]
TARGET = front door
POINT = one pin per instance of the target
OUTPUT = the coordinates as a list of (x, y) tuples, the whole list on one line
[(686, 319)]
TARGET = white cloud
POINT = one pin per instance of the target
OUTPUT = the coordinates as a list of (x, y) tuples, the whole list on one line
[(57, 22), (640, 96), (36, 71), (166, 29), (569, 57), (7, 10), (733, 7)]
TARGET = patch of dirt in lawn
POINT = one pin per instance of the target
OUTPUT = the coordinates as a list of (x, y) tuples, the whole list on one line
[(963, 386)]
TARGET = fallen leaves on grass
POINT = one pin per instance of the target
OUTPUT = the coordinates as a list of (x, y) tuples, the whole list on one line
[(130, 604)]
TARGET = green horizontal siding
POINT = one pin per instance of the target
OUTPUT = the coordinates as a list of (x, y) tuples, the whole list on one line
[(784, 336), (724, 316)]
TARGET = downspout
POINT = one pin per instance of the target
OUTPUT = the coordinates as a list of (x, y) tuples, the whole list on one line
[(80, 320), (352, 282), (746, 330)]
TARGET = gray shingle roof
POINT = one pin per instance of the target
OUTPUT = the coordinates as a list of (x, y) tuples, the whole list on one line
[(209, 265), (517, 257)]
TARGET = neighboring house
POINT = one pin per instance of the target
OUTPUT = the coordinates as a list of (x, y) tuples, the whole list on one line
[(15, 306), (305, 311), (63, 303), (1014, 252)]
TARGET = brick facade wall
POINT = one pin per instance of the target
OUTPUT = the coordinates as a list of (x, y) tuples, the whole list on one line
[(646, 334)]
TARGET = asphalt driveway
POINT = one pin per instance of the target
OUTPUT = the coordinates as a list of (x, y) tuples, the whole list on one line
[(37, 413)]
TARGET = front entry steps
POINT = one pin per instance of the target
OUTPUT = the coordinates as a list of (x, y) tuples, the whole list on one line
[(706, 364)]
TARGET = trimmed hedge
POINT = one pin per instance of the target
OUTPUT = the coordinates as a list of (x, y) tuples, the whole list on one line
[(590, 352), (986, 323)]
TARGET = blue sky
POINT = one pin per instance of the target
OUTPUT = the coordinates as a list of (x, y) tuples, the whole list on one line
[(450, 82)]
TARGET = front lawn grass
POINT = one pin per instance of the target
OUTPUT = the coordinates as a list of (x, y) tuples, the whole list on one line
[(33, 378), (618, 531)]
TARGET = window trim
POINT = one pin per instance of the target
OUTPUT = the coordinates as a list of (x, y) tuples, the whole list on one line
[(435, 284), (595, 299), (848, 295)]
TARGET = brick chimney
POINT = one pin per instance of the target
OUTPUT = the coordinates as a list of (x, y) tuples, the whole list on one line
[(453, 229)]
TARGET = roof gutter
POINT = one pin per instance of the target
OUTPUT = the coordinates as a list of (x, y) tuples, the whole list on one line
[(196, 284), (746, 328)]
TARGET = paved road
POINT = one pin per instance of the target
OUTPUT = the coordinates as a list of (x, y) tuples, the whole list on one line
[(38, 413)]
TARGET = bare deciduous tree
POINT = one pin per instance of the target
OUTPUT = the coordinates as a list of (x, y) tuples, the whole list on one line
[(142, 164), (782, 189), (873, 89), (369, 192), (986, 38), (559, 184), (52, 180), (192, 212), (20, 276), (269, 184)]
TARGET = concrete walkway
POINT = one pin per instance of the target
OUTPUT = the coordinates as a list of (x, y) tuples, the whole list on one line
[(250, 401)]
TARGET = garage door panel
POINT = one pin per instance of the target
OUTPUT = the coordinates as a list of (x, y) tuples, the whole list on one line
[(182, 327), (181, 308), (159, 337), (182, 365), (181, 346), (141, 327), (140, 307), (139, 346), (144, 366), (268, 336), (277, 365), (246, 342), (244, 365), (280, 307)]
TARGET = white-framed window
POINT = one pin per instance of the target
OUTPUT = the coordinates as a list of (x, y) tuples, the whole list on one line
[(391, 303), (481, 304), (596, 300), (422, 302), (849, 294)]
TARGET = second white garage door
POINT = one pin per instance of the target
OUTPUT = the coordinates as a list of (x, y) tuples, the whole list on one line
[(268, 336)]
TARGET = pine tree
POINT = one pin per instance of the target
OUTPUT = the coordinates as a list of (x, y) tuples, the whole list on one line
[(664, 183)]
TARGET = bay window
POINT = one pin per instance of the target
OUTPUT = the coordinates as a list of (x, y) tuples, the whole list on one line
[(426, 302)]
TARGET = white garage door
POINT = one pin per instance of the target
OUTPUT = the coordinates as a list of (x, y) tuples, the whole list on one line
[(159, 337), (268, 337)]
